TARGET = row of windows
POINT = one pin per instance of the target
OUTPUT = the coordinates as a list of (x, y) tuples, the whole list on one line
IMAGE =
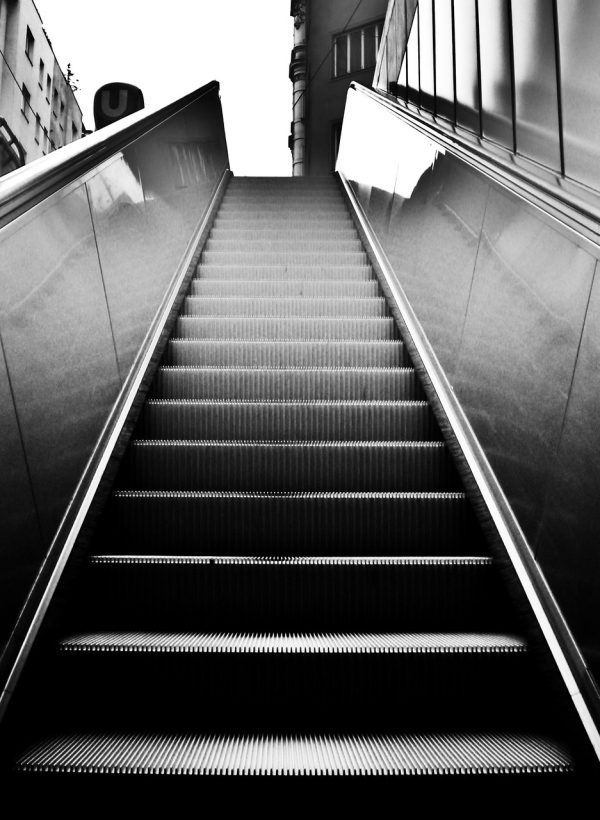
[(56, 107), (356, 50), (46, 140)]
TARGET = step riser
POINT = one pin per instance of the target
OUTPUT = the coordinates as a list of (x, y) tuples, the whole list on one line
[(254, 597), (290, 289), (286, 354), (293, 308), (308, 244), (288, 422), (190, 327), (290, 526), (299, 692), (287, 468), (294, 234), (394, 385), (280, 273), (299, 257)]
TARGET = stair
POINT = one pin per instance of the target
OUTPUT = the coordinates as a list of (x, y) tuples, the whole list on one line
[(288, 578)]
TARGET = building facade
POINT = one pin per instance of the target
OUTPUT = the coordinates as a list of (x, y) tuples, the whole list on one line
[(38, 109), (335, 42)]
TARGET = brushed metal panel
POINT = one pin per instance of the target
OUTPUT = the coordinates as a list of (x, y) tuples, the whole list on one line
[(523, 327), (145, 206), (536, 95), (20, 541), (580, 74), (496, 93), (58, 345), (448, 204), (567, 543)]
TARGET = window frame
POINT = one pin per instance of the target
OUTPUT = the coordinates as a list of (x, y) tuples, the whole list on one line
[(29, 45), (25, 100), (377, 25)]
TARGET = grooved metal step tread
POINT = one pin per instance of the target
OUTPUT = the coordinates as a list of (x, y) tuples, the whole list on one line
[(285, 289), (318, 271), (180, 753), (286, 353), (276, 419), (331, 328), (346, 495), (284, 257), (261, 383), (296, 643), (288, 465), (305, 243), (292, 307), (297, 560)]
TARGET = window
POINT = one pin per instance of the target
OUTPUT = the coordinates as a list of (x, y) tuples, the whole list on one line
[(74, 134), (26, 102), (41, 75), (45, 143), (55, 102), (48, 87), (356, 50), (29, 41), (38, 128)]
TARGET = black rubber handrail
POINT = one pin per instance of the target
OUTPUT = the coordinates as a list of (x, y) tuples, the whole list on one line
[(563, 200), (109, 446), (25, 187)]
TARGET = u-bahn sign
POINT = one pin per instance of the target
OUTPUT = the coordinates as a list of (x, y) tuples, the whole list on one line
[(114, 101)]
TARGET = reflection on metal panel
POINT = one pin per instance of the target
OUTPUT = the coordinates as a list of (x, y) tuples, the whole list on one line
[(503, 297), (82, 275), (395, 161)]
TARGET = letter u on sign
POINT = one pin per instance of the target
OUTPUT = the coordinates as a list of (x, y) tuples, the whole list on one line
[(114, 101)]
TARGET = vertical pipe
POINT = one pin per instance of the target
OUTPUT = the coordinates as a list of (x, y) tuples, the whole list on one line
[(298, 70), (433, 53)]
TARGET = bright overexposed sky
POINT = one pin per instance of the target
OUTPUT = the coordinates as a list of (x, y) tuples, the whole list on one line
[(171, 47)]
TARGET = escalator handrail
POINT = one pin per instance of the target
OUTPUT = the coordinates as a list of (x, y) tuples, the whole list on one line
[(25, 187), (561, 642), (564, 201), (109, 445)]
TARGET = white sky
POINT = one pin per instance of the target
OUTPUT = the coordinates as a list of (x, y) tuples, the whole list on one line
[(171, 47)]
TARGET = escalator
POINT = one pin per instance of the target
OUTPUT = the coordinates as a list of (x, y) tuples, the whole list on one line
[(288, 577)]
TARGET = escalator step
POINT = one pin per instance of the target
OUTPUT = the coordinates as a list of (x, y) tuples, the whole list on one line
[(171, 522), (323, 259), (316, 290), (259, 244), (286, 221), (223, 755), (305, 328), (294, 234), (368, 383), (314, 420), (298, 594), (307, 643), (285, 353), (288, 466), (318, 271), (292, 308)]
